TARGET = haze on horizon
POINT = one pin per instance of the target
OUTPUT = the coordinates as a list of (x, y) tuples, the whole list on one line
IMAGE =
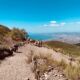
[(41, 16)]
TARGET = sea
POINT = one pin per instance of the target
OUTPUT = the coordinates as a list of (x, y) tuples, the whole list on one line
[(71, 37), (43, 36)]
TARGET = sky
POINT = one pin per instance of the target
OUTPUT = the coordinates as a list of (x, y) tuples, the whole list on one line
[(41, 16)]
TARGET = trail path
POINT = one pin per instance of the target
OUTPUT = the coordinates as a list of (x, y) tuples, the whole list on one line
[(15, 67)]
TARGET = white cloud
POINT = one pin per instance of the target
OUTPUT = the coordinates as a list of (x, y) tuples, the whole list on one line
[(54, 24)]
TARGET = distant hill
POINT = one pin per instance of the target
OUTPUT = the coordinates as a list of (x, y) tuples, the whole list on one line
[(78, 44), (63, 47)]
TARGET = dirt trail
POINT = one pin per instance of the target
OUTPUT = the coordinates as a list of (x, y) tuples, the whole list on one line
[(15, 67)]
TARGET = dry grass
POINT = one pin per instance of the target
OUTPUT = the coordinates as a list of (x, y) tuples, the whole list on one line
[(30, 56), (72, 72), (42, 62)]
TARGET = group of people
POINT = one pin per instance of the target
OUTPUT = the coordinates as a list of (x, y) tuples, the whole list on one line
[(34, 42)]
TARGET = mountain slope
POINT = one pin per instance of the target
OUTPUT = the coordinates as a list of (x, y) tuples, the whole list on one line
[(63, 47)]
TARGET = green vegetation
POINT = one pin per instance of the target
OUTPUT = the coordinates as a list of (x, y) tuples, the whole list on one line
[(69, 49)]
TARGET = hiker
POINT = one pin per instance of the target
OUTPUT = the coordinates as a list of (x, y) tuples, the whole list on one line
[(39, 43)]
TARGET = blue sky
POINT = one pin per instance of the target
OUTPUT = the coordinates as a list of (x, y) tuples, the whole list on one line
[(41, 16)]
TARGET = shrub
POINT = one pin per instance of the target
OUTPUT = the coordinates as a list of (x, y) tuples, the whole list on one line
[(18, 34)]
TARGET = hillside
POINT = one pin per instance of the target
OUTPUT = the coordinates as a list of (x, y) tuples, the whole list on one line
[(4, 29), (41, 63), (19, 66), (8, 36), (69, 49), (3, 32)]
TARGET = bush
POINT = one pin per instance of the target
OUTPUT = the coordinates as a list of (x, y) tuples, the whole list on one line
[(18, 34)]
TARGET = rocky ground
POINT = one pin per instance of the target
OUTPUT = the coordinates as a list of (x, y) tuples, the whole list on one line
[(54, 74)]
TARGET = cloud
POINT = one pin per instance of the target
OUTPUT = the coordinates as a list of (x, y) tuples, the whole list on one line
[(54, 24)]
